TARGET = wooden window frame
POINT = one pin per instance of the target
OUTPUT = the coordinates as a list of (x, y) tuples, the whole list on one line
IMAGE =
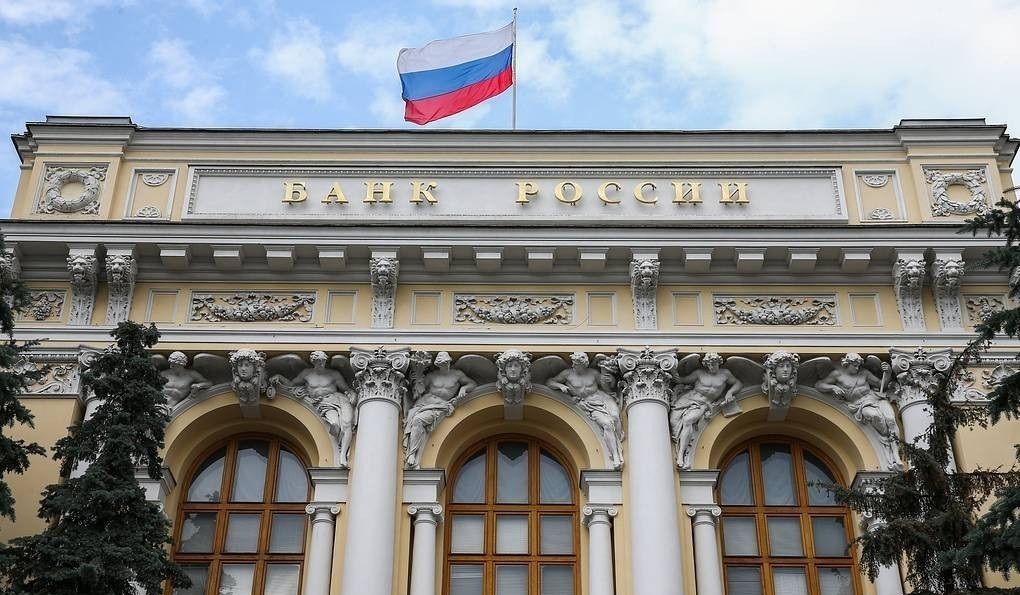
[(490, 509), (758, 510), (261, 558)]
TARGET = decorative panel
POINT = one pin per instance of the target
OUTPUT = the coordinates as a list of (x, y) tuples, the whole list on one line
[(251, 306), (601, 308), (977, 306), (425, 307), (509, 308), (687, 309), (341, 307), (786, 310), (162, 305), (45, 305), (865, 309), (151, 194), (879, 198)]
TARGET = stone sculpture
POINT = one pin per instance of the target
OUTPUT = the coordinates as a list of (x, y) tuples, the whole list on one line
[(328, 390), (780, 380), (383, 272), (435, 395), (713, 388), (644, 280), (908, 277), (593, 390), (181, 382), (121, 270), (513, 379), (248, 379), (82, 268)]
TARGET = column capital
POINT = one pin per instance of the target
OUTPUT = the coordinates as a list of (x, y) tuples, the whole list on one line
[(322, 511), (703, 513), (379, 374), (918, 373), (646, 375), (594, 514), (426, 512)]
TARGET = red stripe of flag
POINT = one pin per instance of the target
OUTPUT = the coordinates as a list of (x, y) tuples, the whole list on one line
[(423, 111)]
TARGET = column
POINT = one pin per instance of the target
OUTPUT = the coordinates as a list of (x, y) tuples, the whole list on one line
[(707, 568), (697, 493), (319, 565), (888, 581), (652, 502), (368, 555), (599, 521), (426, 518), (918, 374)]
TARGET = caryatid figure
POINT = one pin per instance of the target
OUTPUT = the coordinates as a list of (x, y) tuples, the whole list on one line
[(591, 390), (714, 387), (861, 391), (181, 383), (328, 390), (435, 397)]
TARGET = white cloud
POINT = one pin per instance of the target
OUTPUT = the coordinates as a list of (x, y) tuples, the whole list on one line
[(298, 59), (387, 107), (198, 95), (55, 80), (370, 48), (538, 69), (200, 105), (175, 63), (36, 12)]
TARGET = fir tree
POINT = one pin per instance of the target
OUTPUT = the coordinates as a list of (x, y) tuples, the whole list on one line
[(104, 536), (13, 452), (995, 539)]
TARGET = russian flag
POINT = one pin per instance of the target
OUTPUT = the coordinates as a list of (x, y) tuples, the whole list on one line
[(450, 75)]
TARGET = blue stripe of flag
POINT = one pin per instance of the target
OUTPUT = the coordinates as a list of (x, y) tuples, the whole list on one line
[(429, 83)]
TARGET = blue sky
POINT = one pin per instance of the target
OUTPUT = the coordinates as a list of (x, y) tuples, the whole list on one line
[(627, 64)]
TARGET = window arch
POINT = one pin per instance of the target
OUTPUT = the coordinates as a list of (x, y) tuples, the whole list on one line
[(240, 527), (512, 525), (780, 535)]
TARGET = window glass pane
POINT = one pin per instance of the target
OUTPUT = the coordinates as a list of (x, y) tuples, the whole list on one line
[(778, 477), (554, 483), (511, 580), (557, 580), (250, 473), (282, 579), (557, 534), (465, 580), (512, 473), (468, 532), (789, 581), (243, 533), (237, 579), (739, 536), (291, 481), (199, 575), (743, 580), (287, 535), (205, 487), (470, 487), (197, 532), (735, 486), (511, 534), (784, 537), (829, 535), (816, 472), (835, 581)]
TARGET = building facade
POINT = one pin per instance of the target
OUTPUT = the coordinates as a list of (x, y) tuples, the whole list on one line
[(556, 363)]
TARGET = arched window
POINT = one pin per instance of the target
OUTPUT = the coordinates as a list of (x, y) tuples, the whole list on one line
[(781, 534), (240, 529), (512, 526)]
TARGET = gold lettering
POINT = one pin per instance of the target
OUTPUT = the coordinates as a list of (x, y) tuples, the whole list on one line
[(639, 193), (575, 192), (336, 195), (294, 192), (731, 190), (420, 190), (524, 190), (606, 199), (686, 192), (380, 188)]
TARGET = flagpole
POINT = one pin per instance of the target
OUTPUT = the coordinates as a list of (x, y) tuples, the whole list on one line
[(513, 67)]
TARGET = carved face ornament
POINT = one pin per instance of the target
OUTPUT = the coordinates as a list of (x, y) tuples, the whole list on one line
[(514, 370), (246, 369), (178, 359), (579, 358), (80, 270), (318, 358), (647, 274), (784, 371), (913, 273)]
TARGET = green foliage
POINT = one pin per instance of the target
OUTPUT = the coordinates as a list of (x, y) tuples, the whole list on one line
[(13, 452), (104, 535)]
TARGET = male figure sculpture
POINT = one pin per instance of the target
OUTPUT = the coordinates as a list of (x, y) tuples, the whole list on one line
[(713, 388), (858, 388), (327, 389), (435, 397), (590, 391), (181, 382)]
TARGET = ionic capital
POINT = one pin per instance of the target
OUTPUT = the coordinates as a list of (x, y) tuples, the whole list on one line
[(323, 512), (646, 375), (595, 514), (429, 512), (380, 374), (704, 513)]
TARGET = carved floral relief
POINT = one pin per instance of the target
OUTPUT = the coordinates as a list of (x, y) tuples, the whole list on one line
[(56, 179), (979, 307), (45, 305), (252, 307), (943, 206), (775, 310), (513, 309)]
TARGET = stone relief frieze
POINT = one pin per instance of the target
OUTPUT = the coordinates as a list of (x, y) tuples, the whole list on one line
[(252, 307), (155, 179), (980, 307), (45, 304), (383, 273), (594, 392), (943, 206), (513, 309), (82, 268), (908, 278), (56, 378), (775, 310), (57, 178), (644, 281)]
